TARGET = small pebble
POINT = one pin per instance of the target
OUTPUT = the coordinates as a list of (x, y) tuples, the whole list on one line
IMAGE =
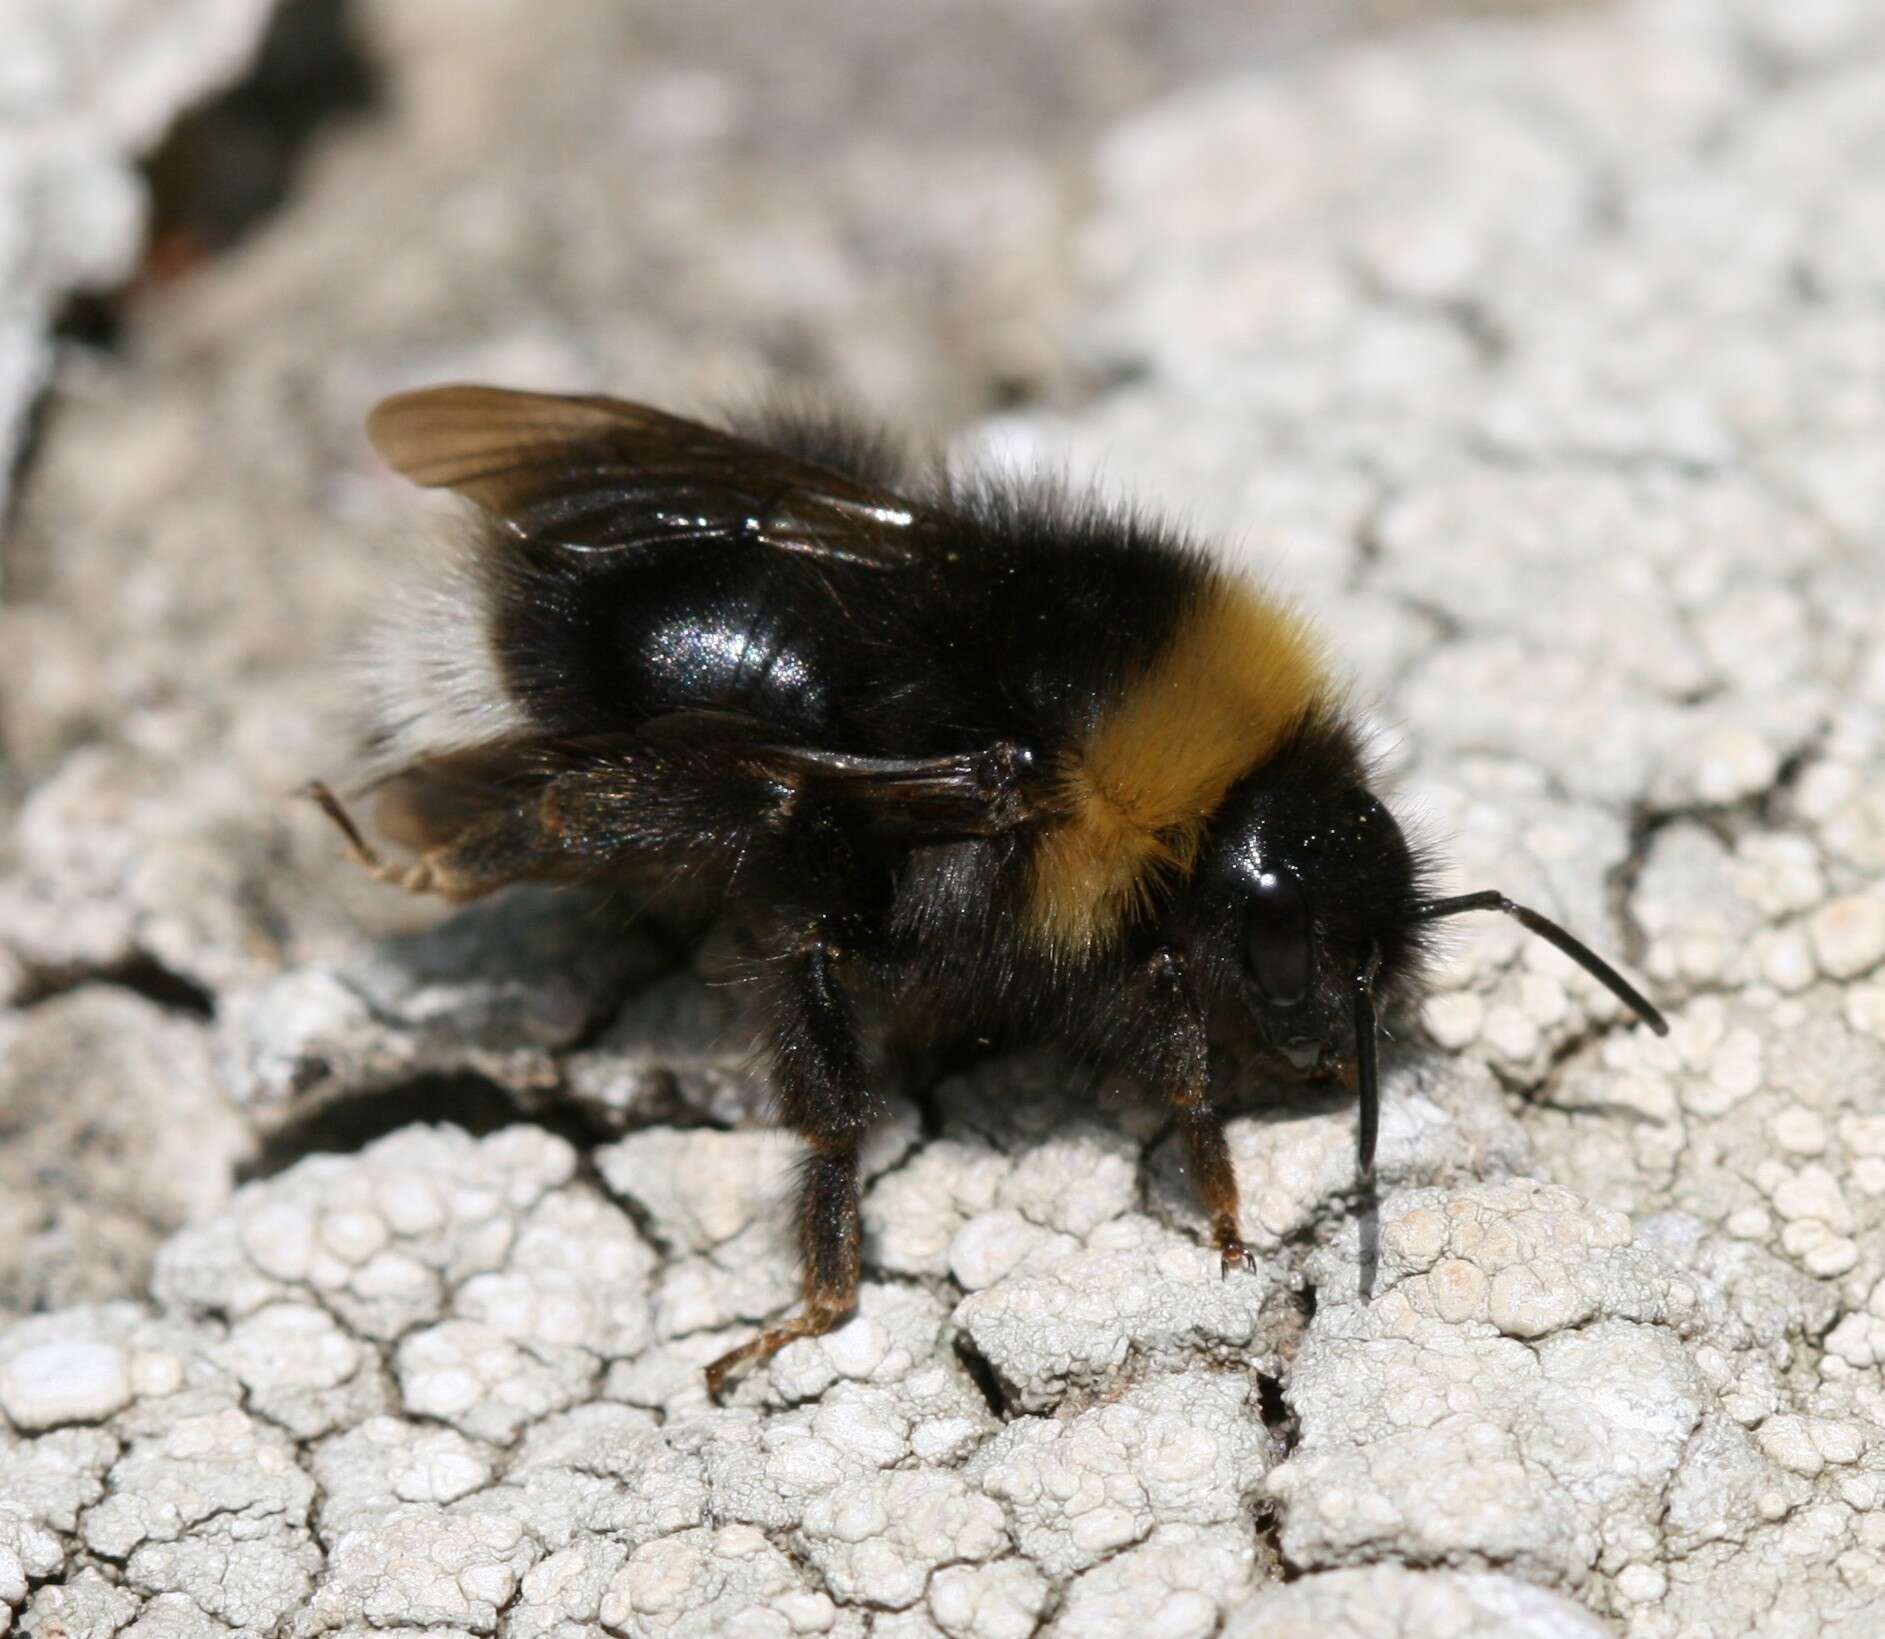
[(65, 1382), (1849, 934)]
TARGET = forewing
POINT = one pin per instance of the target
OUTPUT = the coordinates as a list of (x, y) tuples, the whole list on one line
[(714, 772), (595, 474)]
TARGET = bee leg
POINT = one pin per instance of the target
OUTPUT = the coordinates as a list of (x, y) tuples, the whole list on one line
[(1182, 1072), (501, 848), (828, 1252), (824, 1096), (1217, 1183)]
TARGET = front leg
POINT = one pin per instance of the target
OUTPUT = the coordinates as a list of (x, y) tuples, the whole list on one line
[(1179, 1067), (824, 1096)]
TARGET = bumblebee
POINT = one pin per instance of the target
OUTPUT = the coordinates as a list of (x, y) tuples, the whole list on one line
[(961, 756)]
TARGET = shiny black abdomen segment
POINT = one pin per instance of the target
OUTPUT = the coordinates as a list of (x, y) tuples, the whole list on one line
[(599, 645), (1022, 632)]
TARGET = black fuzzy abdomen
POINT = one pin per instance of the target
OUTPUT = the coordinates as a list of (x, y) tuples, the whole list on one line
[(1022, 631), (603, 646), (725, 644)]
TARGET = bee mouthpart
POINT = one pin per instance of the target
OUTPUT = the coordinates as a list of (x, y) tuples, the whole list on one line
[(1303, 1054)]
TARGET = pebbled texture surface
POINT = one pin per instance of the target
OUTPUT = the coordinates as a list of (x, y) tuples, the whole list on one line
[(1545, 359)]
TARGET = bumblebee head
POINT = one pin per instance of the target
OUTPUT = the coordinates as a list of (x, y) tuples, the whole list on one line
[(1319, 890), (1321, 911)]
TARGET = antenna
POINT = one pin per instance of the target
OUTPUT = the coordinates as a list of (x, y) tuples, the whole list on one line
[(1368, 1074), (1492, 900)]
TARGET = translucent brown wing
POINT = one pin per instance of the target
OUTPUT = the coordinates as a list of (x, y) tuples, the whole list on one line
[(595, 474), (677, 793)]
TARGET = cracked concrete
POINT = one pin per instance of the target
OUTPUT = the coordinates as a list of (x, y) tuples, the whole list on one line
[(1545, 361), (88, 90)]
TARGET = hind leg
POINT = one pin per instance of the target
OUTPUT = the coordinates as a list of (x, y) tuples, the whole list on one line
[(825, 1097)]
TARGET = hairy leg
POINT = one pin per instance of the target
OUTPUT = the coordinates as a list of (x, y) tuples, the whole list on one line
[(1180, 1068), (825, 1097)]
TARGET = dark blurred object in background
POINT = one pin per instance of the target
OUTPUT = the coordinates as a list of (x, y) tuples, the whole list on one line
[(227, 164)]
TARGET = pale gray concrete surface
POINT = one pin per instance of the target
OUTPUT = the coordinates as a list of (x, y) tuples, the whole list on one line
[(1545, 361), (88, 87)]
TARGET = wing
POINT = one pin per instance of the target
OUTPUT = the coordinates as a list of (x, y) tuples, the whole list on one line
[(693, 791), (595, 474), (975, 794)]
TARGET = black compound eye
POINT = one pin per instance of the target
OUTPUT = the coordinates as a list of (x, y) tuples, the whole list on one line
[(1276, 938)]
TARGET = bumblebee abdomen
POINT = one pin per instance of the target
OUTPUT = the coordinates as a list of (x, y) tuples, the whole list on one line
[(599, 649)]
